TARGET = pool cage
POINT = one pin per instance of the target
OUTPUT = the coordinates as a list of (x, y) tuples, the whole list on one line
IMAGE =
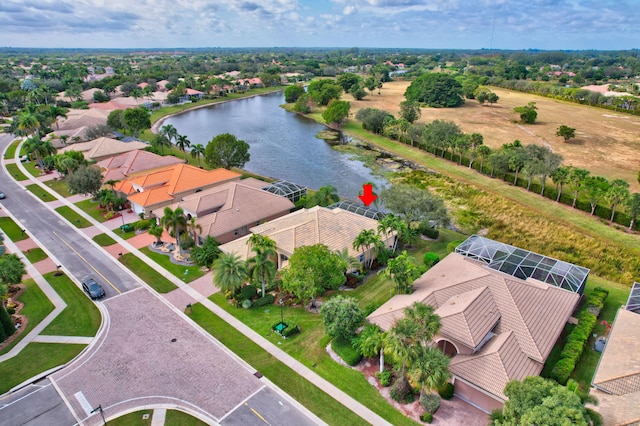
[(633, 302), (360, 209), (524, 264), (286, 189)]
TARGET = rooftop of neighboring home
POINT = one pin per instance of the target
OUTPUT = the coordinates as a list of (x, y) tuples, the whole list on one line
[(192, 92), (132, 162), (167, 183), (503, 327), (77, 118), (229, 206), (337, 229), (101, 148)]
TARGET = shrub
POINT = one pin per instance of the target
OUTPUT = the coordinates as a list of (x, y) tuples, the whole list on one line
[(428, 231), (430, 259), (266, 300), (291, 329), (345, 350), (430, 402), (109, 215), (385, 377), (142, 224), (246, 303), (401, 391), (187, 243), (451, 247), (11, 311), (446, 391), (427, 417), (248, 292)]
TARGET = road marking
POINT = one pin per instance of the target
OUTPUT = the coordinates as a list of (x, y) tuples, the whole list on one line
[(83, 402), (257, 414), (87, 262)]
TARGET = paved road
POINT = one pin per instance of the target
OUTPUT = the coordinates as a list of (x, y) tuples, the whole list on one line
[(35, 405), (265, 408)]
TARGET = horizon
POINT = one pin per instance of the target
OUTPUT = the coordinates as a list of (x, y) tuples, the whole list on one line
[(548, 25)]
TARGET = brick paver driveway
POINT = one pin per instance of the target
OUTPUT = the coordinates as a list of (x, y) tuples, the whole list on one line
[(150, 355)]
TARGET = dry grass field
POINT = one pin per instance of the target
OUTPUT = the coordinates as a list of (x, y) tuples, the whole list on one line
[(607, 143)]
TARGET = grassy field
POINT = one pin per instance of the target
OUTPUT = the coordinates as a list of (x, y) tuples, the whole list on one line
[(103, 240), (74, 218), (36, 307), (81, 317), (92, 208), (185, 273), (35, 358), (147, 273), (14, 171), (606, 142), (12, 230), (321, 404), (35, 254)]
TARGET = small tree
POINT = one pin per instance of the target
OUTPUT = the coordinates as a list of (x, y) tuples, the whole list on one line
[(566, 132), (137, 119), (410, 111), (528, 113), (341, 317), (336, 112), (230, 272), (85, 180), (633, 204), (207, 253), (226, 150)]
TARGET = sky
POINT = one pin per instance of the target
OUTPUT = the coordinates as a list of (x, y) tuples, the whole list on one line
[(432, 24)]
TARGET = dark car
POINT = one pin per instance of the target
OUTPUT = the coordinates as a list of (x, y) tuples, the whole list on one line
[(2, 196), (92, 288)]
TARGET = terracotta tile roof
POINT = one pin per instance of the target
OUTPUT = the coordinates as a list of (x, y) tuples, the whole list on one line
[(167, 183), (103, 147), (82, 118), (192, 92), (229, 206), (132, 162), (499, 361)]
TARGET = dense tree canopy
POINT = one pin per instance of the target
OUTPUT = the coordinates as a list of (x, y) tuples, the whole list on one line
[(85, 180), (226, 150), (336, 112), (341, 316), (324, 91), (137, 119), (437, 90), (415, 205)]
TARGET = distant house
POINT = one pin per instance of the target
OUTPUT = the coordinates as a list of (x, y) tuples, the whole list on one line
[(108, 70), (337, 229), (194, 94), (102, 148), (161, 86), (150, 192), (228, 210), (133, 162), (616, 382), (496, 326)]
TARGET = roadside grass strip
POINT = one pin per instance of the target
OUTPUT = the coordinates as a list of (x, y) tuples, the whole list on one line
[(103, 240), (74, 218), (183, 272), (15, 171), (60, 186), (12, 230), (92, 208), (145, 272), (11, 150), (35, 254)]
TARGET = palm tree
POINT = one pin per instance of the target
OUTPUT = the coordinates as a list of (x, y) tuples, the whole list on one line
[(54, 112), (28, 123), (326, 195), (230, 272), (194, 229), (430, 369), (402, 343), (156, 231), (111, 183), (428, 321), (347, 262), (363, 241), (560, 177), (390, 223), (371, 342), (169, 132), (197, 151), (107, 199), (36, 146), (160, 141), (174, 221), (263, 264), (183, 143), (617, 193), (483, 152)]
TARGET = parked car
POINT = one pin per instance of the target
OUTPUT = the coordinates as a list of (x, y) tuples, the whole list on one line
[(92, 288), (2, 196)]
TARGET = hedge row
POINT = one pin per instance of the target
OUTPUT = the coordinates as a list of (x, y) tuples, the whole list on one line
[(578, 338)]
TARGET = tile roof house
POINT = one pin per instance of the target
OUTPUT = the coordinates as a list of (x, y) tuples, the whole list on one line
[(124, 165), (616, 382), (496, 327), (150, 192), (101, 148), (336, 229), (228, 210)]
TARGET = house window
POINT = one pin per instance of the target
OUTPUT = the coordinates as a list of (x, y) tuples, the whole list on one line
[(244, 230)]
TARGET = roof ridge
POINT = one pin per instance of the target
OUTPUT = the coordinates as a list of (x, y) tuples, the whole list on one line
[(538, 354)]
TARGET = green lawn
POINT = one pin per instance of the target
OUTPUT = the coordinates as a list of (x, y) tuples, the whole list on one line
[(40, 193), (92, 208), (180, 418), (12, 230), (149, 275), (15, 171), (11, 150), (60, 186), (321, 404), (185, 273), (173, 418), (74, 218), (35, 254), (35, 358), (81, 317), (31, 168), (36, 307), (103, 240)]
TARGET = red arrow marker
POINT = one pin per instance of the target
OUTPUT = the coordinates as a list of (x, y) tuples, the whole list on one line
[(368, 196)]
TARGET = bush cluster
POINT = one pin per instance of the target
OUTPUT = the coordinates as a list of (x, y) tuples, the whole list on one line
[(266, 300), (385, 378), (430, 259), (345, 350), (430, 402), (142, 224), (401, 391), (248, 292), (429, 231), (446, 391), (427, 417), (577, 339)]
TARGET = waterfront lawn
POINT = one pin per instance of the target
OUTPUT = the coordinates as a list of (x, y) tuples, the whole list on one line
[(81, 317), (74, 218), (60, 186), (14, 171), (92, 208), (35, 254), (146, 273), (321, 404), (36, 307), (12, 230), (34, 359), (103, 240), (185, 273)]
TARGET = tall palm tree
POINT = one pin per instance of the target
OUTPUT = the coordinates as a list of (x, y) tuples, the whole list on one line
[(28, 123), (169, 132), (183, 143), (160, 141), (156, 231), (363, 241), (54, 112), (194, 229), (230, 272), (174, 221), (263, 264), (39, 148), (428, 321), (197, 151), (402, 343), (429, 369), (560, 177)]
